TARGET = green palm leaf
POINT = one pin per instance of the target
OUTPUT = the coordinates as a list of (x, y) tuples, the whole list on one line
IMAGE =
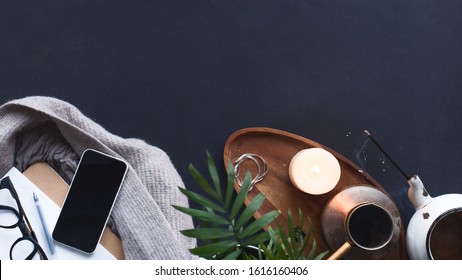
[(202, 200), (257, 239), (207, 233), (214, 175), (202, 182), (229, 185), (225, 227), (239, 201), (291, 245), (258, 224), (214, 248), (203, 215), (250, 210), (233, 255)]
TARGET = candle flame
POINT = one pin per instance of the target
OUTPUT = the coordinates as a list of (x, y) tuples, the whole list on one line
[(316, 170)]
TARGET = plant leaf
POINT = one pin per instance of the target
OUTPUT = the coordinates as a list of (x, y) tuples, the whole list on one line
[(202, 200), (278, 247), (310, 231), (214, 175), (212, 225), (207, 233), (286, 242), (321, 256), (259, 238), (202, 182), (239, 201), (214, 248), (291, 228), (301, 221), (234, 255), (260, 251), (274, 239), (302, 248), (312, 252), (250, 210), (202, 215), (258, 224), (268, 252), (305, 243), (229, 185)]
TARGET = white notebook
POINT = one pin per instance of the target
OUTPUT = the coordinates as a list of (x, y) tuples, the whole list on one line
[(25, 190)]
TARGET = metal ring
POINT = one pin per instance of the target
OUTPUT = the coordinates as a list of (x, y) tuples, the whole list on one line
[(259, 162), (240, 160)]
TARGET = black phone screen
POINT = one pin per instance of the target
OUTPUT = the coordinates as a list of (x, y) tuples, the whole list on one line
[(90, 199)]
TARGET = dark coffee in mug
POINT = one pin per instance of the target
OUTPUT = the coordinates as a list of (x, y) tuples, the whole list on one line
[(444, 239), (369, 226)]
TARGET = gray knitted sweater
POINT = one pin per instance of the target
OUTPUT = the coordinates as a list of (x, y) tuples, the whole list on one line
[(142, 215)]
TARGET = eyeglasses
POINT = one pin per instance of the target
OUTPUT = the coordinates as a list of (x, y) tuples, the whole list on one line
[(12, 215)]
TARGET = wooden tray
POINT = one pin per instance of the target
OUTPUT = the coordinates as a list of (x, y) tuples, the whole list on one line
[(277, 148)]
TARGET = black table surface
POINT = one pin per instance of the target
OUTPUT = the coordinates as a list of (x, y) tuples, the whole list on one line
[(185, 75)]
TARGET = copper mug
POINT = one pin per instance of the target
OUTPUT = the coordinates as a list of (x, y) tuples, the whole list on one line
[(361, 222)]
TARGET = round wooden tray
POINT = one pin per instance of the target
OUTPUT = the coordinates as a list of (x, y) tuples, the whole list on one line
[(277, 148)]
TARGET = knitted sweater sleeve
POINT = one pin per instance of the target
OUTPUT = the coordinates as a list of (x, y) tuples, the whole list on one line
[(142, 215)]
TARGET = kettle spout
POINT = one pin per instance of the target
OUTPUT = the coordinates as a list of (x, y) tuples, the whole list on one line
[(417, 193)]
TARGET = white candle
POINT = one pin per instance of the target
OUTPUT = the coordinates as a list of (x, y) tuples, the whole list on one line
[(314, 171)]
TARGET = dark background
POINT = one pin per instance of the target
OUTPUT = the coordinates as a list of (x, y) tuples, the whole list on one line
[(184, 75)]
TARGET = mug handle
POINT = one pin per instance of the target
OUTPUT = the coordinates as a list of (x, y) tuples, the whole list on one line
[(342, 251)]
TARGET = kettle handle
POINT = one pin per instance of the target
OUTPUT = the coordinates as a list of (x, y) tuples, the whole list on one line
[(417, 193)]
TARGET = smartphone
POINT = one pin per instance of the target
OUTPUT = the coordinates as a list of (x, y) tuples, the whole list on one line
[(89, 201)]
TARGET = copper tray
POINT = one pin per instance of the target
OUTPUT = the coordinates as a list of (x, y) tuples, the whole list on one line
[(277, 148)]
